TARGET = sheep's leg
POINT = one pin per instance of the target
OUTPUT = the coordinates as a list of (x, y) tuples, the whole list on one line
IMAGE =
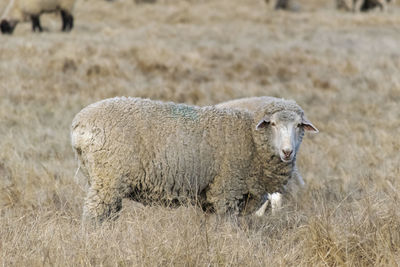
[(276, 204), (67, 21), (36, 23), (276, 201), (260, 212), (101, 203), (357, 4), (223, 195)]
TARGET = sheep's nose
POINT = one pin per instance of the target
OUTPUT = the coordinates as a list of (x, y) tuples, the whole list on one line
[(287, 152)]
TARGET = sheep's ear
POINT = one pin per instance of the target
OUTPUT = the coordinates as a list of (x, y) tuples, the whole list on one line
[(264, 122), (307, 125)]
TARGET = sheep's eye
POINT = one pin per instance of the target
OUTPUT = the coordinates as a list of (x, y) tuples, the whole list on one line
[(299, 125), (273, 123)]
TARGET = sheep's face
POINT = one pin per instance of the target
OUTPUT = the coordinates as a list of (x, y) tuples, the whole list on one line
[(286, 130), (8, 26)]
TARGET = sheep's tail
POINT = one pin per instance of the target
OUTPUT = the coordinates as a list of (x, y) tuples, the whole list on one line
[(7, 10)]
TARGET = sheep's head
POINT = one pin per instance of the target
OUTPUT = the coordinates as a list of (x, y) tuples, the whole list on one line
[(8, 26), (285, 130)]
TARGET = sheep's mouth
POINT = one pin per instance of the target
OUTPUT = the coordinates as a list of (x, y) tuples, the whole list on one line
[(286, 159)]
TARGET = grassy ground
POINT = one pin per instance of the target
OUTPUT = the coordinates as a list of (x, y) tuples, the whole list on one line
[(342, 68)]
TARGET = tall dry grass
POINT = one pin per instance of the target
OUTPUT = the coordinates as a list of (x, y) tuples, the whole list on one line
[(344, 69)]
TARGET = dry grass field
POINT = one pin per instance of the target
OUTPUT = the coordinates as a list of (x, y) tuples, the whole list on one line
[(342, 68)]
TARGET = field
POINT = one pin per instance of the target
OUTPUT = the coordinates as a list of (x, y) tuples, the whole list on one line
[(342, 68)]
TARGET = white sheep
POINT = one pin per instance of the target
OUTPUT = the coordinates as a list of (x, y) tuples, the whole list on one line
[(21, 10), (151, 151), (253, 104)]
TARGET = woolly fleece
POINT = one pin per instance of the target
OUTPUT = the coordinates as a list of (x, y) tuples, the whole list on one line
[(151, 151)]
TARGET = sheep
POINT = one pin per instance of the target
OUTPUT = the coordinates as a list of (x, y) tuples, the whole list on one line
[(18, 10), (252, 104), (223, 160), (362, 5)]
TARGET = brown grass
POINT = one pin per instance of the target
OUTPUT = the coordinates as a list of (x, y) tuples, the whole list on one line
[(344, 69)]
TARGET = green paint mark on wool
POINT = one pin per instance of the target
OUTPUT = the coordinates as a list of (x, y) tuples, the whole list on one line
[(183, 111)]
